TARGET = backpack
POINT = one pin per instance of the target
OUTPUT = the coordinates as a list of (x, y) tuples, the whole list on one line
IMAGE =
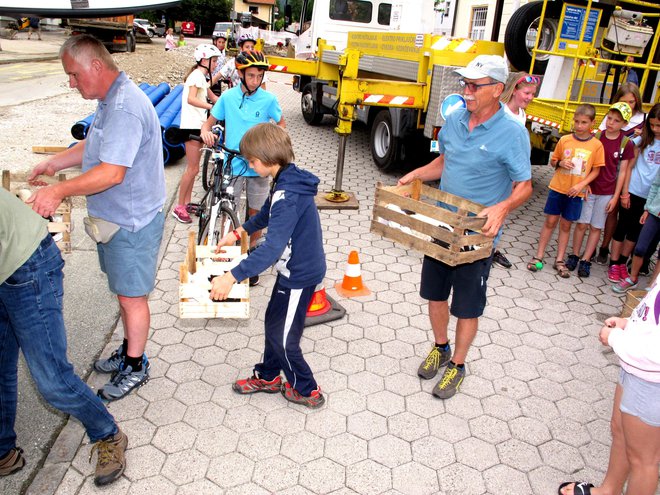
[(624, 142)]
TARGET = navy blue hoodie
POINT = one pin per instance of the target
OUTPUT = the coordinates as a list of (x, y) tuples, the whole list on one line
[(294, 241)]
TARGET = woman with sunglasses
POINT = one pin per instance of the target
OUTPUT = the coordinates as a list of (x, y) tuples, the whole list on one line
[(518, 93)]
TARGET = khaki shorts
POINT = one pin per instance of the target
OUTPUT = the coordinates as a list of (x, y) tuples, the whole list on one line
[(257, 190)]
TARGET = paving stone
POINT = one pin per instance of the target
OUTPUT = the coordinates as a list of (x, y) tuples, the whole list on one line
[(347, 364), (414, 479), (489, 429), (139, 432), (194, 392), (276, 474), (230, 470), (569, 431), (244, 418), (347, 402), (346, 449), (385, 403), (368, 477), (500, 479), (408, 426), (367, 425), (331, 381), (364, 348), (529, 430), (174, 437), (519, 455), (366, 383), (402, 384), (204, 415), (156, 484), (476, 453), (165, 412), (458, 478), (302, 447), (326, 423), (201, 487), (259, 444), (561, 456), (185, 467), (449, 427), (547, 389), (501, 407)]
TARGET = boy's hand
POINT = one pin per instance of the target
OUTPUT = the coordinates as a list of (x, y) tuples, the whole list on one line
[(575, 190), (611, 205), (643, 218), (566, 164), (625, 201), (228, 240), (604, 334), (611, 323), (220, 286), (208, 137)]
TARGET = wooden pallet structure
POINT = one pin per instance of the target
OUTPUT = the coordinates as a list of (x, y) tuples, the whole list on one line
[(61, 223), (632, 299), (409, 216), (200, 264)]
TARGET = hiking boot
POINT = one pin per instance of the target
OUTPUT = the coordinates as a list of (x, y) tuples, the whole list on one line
[(572, 261), (603, 254), (625, 285), (254, 281), (12, 462), (125, 380), (613, 273), (314, 400), (584, 268), (501, 260), (436, 359), (450, 381), (179, 212), (110, 460), (111, 364), (256, 384)]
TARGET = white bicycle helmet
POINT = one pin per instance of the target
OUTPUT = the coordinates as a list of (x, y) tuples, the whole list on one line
[(206, 51)]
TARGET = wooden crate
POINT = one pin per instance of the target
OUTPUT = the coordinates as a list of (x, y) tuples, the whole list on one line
[(633, 298), (194, 284), (62, 224), (408, 215)]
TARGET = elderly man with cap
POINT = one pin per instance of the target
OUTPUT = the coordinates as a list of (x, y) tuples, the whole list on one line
[(484, 157)]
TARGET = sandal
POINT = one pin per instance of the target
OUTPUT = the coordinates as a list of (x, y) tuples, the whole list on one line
[(562, 270), (531, 266), (582, 488)]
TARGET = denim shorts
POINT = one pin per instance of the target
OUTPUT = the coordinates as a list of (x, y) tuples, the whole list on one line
[(594, 210), (640, 398), (468, 282), (130, 259), (561, 204)]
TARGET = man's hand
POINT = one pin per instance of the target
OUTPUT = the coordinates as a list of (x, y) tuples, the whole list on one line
[(406, 179), (44, 167), (220, 286), (611, 205), (46, 200), (495, 216)]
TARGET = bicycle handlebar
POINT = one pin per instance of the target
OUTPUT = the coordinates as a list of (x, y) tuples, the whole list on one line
[(193, 137)]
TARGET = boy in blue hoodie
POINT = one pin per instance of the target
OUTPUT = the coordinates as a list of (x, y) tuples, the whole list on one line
[(295, 245)]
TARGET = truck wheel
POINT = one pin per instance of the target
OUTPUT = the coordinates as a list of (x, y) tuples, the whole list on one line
[(521, 30), (309, 107), (384, 145), (130, 42)]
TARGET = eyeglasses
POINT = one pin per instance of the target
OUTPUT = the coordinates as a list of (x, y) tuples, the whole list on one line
[(473, 87), (529, 80)]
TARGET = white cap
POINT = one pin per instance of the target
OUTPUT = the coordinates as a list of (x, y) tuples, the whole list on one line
[(492, 66)]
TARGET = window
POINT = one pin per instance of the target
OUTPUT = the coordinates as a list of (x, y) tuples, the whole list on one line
[(478, 23), (254, 9), (351, 10), (384, 14)]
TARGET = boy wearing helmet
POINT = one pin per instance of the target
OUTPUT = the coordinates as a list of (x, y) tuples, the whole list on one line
[(220, 42), (194, 107), (228, 72), (242, 107)]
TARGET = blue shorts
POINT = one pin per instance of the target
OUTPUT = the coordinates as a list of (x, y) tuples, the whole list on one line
[(560, 204), (468, 282), (640, 398), (130, 259)]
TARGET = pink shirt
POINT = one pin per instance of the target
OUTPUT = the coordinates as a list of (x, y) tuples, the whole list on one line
[(169, 42)]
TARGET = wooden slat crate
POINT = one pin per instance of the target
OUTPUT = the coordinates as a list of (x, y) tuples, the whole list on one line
[(194, 284), (15, 182), (633, 298), (413, 208)]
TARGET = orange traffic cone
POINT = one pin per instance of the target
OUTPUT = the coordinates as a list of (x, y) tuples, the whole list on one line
[(352, 285), (319, 305)]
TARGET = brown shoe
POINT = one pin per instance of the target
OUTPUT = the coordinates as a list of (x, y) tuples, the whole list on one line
[(111, 462), (12, 462)]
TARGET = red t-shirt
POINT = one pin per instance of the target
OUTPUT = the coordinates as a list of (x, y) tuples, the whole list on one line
[(605, 183)]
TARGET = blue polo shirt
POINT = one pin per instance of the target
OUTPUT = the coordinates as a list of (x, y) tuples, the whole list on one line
[(126, 132), (481, 165), (240, 113)]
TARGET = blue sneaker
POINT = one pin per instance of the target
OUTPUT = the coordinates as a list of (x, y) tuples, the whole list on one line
[(111, 364), (124, 381), (584, 268), (572, 261)]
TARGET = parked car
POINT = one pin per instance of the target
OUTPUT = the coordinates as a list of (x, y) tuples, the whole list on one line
[(149, 27), (160, 29), (227, 28), (188, 27), (140, 30)]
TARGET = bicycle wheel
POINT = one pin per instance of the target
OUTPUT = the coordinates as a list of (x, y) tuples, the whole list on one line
[(225, 222), (207, 168), (205, 211)]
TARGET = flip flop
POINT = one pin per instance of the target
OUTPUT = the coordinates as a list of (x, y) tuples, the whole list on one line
[(580, 488)]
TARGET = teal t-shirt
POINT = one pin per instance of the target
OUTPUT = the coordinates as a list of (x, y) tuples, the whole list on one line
[(21, 232), (241, 112)]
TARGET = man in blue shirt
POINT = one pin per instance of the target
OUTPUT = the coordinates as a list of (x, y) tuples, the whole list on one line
[(124, 181), (484, 157), (241, 108)]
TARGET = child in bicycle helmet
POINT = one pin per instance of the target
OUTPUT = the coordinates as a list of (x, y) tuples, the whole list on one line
[(229, 72), (194, 110), (242, 107)]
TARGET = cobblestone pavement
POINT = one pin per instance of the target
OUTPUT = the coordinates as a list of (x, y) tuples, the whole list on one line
[(533, 410)]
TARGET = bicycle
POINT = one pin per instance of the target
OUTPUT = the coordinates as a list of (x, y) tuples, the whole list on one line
[(219, 209)]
